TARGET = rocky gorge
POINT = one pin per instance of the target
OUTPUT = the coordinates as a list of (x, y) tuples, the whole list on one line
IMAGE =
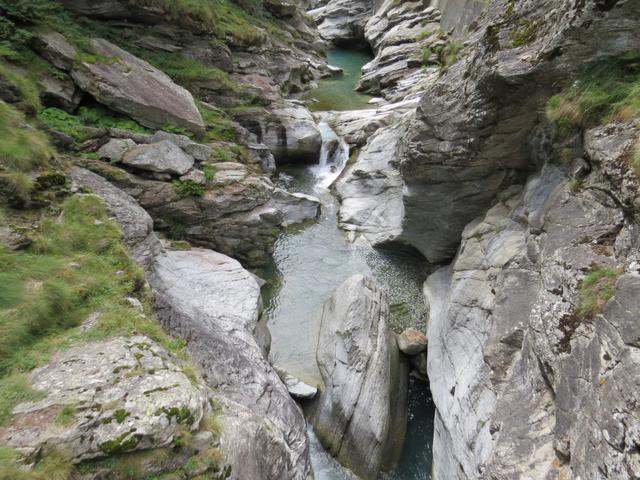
[(216, 267)]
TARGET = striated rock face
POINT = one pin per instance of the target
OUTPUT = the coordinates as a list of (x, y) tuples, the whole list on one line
[(526, 384), (212, 302), (398, 33), (342, 20), (124, 394), (468, 140), (361, 412), (370, 190), (131, 86)]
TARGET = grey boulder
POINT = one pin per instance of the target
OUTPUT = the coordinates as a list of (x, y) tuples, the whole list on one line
[(117, 396), (115, 149), (132, 86), (161, 157), (361, 412)]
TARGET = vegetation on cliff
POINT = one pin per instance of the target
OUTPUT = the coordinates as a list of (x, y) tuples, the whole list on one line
[(604, 91)]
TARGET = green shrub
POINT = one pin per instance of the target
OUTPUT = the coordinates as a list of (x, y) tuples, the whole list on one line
[(525, 33), (188, 188), (209, 172), (95, 116), (596, 290)]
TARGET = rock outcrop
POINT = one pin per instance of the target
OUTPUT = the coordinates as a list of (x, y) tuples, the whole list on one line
[(469, 137), (360, 416), (342, 20), (288, 129), (527, 382), (370, 190), (106, 398), (131, 86), (212, 302)]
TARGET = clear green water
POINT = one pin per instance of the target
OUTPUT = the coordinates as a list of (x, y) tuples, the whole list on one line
[(338, 93), (309, 264)]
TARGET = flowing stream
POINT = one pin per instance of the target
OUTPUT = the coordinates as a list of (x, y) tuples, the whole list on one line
[(310, 263)]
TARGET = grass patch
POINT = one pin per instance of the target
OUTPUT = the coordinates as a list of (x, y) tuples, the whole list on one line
[(223, 18), (28, 89), (442, 55), (209, 172), (185, 70), (604, 91), (94, 116), (66, 416), (219, 125), (55, 465), (22, 148), (596, 290)]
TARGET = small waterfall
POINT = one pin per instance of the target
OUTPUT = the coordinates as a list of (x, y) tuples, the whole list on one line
[(333, 157)]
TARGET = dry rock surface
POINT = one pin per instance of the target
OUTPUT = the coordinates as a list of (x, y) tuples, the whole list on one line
[(106, 398)]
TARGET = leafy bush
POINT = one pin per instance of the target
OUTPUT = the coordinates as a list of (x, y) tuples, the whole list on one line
[(188, 188), (604, 91)]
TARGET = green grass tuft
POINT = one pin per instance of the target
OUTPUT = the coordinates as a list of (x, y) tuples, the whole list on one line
[(596, 290), (22, 148), (66, 416), (604, 91)]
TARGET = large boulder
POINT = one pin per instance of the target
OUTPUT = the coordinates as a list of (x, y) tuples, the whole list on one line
[(106, 398), (360, 417), (241, 217), (342, 20), (161, 157), (288, 129), (370, 190), (208, 299), (132, 86)]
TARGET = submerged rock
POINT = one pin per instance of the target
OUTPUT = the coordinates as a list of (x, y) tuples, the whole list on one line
[(132, 86), (360, 416), (106, 398)]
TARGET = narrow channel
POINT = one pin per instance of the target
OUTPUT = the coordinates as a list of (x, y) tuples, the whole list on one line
[(311, 262)]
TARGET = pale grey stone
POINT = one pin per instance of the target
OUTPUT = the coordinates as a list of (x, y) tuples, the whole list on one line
[(161, 157)]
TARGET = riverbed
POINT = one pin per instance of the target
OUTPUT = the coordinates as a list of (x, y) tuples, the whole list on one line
[(310, 262)]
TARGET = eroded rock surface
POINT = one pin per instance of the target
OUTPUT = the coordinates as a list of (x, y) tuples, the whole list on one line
[(534, 386), (212, 302), (116, 396), (361, 411)]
